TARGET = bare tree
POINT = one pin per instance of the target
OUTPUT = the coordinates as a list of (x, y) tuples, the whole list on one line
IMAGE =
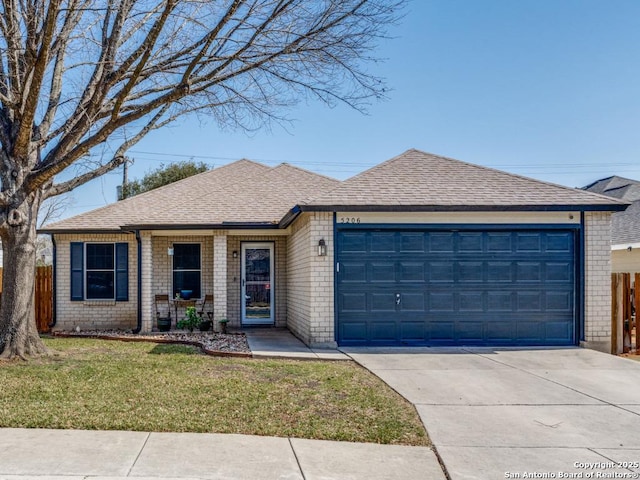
[(79, 78)]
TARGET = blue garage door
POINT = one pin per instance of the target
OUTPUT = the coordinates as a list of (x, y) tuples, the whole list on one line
[(466, 287)]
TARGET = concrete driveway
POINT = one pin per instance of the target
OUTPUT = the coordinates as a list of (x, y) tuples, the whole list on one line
[(504, 413)]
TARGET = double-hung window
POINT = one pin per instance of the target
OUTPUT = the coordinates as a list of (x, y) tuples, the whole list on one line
[(187, 270), (99, 271)]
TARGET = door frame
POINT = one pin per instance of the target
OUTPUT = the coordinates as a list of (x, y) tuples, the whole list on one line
[(272, 276)]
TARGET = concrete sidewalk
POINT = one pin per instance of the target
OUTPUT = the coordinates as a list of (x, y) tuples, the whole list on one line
[(76, 454), (280, 343)]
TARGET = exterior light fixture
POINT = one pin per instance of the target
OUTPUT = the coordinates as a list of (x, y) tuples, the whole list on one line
[(235, 254), (170, 251), (322, 248)]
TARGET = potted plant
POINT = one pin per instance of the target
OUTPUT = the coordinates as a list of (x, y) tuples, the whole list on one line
[(191, 319), (223, 324), (205, 325)]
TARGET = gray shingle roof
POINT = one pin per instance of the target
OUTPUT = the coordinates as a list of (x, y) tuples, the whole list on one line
[(416, 178), (249, 193), (625, 226), (241, 192)]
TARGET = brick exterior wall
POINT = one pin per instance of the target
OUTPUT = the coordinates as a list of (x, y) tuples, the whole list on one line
[(234, 287), (597, 281), (311, 280), (94, 314)]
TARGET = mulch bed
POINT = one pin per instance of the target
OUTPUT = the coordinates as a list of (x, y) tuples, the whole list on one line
[(216, 344)]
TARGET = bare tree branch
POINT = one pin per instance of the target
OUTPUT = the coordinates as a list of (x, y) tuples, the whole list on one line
[(82, 179)]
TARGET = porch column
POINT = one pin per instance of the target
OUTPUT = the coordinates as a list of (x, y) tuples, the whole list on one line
[(219, 278), (147, 275)]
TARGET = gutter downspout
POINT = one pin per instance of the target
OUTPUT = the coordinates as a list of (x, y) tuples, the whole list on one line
[(53, 283), (139, 295)]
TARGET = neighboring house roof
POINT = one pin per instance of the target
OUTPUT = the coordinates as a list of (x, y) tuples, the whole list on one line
[(431, 182), (246, 193), (243, 192), (625, 226)]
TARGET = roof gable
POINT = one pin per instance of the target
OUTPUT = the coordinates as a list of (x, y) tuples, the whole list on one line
[(241, 192)]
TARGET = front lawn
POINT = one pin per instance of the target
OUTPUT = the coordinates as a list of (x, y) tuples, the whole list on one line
[(110, 385)]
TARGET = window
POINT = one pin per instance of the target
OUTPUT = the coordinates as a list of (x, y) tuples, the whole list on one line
[(187, 268), (99, 271)]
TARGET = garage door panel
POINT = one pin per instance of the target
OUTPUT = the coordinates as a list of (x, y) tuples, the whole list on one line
[(471, 301), (558, 332), (412, 302), (383, 331), (500, 331), (559, 242), (383, 242), (355, 272), (459, 287), (499, 272), (382, 272), (441, 302), (441, 272), (383, 302), (529, 301), (356, 332), (470, 272), (471, 242), (414, 272), (442, 331), (528, 242), (559, 301), (440, 242), (413, 242), (470, 331), (559, 272), (413, 331), (528, 272), (353, 302)]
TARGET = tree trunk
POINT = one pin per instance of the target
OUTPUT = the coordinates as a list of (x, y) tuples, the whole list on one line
[(18, 332)]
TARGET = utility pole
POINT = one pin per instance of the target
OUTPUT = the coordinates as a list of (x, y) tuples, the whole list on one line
[(122, 190)]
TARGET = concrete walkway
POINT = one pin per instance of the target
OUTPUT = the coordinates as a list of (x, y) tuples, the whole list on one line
[(280, 343), (501, 413), (76, 454)]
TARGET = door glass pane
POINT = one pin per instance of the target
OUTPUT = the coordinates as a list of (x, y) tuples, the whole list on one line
[(258, 300), (257, 265)]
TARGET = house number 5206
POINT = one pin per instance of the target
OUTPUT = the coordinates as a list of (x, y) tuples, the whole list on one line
[(349, 219)]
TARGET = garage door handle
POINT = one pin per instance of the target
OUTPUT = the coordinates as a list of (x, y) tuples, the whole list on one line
[(397, 299)]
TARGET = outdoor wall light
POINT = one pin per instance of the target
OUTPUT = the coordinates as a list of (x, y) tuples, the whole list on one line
[(170, 251), (235, 254), (322, 248)]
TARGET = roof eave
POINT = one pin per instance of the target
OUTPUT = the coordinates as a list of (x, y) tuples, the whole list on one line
[(613, 207)]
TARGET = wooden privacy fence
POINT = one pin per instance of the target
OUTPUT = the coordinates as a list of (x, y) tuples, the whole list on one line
[(625, 304), (43, 301)]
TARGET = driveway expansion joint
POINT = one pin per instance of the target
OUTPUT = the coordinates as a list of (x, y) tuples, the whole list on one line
[(135, 460)]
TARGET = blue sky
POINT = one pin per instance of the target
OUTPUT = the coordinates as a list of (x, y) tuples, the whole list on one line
[(544, 88)]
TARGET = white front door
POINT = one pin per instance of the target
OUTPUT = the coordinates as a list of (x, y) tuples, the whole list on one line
[(257, 294)]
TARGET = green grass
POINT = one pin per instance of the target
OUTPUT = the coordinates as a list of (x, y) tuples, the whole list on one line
[(110, 385)]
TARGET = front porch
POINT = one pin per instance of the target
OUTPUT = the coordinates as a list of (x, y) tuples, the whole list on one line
[(241, 277)]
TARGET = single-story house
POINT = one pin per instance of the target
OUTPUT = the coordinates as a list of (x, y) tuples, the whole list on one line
[(419, 250), (625, 226)]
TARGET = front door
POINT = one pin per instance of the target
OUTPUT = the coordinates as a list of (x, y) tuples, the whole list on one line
[(257, 293)]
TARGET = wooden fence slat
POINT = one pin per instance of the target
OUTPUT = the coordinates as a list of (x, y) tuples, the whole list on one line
[(43, 301), (636, 304)]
